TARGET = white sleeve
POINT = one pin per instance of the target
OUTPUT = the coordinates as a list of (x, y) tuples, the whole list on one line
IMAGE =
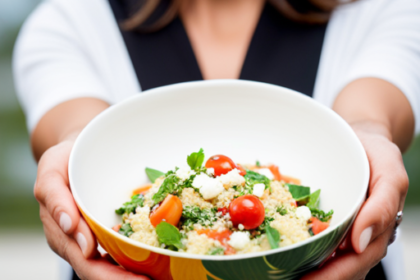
[(51, 65), (390, 50)]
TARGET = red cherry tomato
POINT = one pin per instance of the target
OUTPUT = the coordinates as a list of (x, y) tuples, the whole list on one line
[(170, 211), (222, 210), (222, 165), (247, 210)]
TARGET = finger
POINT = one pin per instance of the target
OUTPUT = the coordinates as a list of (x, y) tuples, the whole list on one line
[(85, 239), (353, 265), (52, 187), (387, 191), (68, 248)]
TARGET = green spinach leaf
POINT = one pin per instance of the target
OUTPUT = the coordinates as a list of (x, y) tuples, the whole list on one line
[(195, 160), (252, 178), (137, 200), (273, 236), (153, 174), (314, 199), (169, 235), (299, 193)]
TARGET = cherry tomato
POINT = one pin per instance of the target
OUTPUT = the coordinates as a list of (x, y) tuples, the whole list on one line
[(241, 169), (222, 165), (222, 236), (169, 211), (116, 228), (222, 210), (142, 190), (247, 210), (318, 226)]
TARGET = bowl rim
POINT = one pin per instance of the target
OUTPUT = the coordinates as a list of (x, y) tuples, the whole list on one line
[(216, 83)]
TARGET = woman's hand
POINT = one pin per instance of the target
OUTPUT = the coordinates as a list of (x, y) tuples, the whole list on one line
[(67, 233), (375, 223)]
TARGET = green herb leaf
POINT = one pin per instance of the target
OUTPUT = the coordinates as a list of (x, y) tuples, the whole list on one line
[(252, 178), (282, 210), (194, 215), (314, 199), (168, 187), (257, 163), (321, 215), (126, 230), (299, 192), (169, 235), (273, 236), (137, 200), (216, 251), (153, 174), (195, 160)]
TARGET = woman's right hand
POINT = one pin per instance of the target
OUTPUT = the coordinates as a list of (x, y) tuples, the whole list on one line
[(67, 233)]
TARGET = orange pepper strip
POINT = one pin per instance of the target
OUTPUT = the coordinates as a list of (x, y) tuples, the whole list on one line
[(318, 226), (222, 236), (169, 211), (291, 180), (116, 228), (142, 190), (275, 170)]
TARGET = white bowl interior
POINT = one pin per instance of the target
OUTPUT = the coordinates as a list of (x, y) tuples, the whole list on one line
[(246, 121)]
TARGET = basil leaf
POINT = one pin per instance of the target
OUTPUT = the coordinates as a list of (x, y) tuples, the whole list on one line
[(153, 174), (168, 186), (137, 200), (195, 160), (299, 192), (273, 236), (126, 230), (314, 199), (169, 235)]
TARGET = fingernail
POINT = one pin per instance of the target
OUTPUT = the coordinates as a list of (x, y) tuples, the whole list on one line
[(365, 238), (81, 240), (343, 245), (65, 222)]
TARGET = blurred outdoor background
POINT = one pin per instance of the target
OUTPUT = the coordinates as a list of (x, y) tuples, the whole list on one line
[(23, 248)]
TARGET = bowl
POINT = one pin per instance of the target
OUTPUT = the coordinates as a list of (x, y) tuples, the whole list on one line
[(245, 120)]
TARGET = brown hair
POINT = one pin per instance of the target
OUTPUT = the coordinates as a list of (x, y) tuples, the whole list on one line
[(302, 11)]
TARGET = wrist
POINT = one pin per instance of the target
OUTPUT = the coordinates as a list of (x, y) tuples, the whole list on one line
[(372, 127)]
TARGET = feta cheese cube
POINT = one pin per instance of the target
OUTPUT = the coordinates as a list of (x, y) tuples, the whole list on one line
[(184, 173), (266, 172), (239, 239), (241, 227), (303, 212), (210, 171), (258, 190), (209, 187), (232, 178)]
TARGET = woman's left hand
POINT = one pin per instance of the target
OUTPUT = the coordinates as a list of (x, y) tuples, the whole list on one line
[(375, 224)]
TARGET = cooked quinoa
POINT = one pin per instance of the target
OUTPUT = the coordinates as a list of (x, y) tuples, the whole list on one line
[(192, 209)]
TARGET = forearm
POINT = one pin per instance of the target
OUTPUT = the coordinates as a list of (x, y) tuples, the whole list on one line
[(376, 105), (64, 122)]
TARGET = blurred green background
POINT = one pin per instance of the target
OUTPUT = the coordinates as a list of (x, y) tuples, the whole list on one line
[(17, 167)]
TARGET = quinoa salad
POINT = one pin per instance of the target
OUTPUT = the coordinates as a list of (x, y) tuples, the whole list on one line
[(221, 208)]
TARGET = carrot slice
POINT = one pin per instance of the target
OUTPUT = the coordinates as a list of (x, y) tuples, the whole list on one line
[(291, 180), (275, 170)]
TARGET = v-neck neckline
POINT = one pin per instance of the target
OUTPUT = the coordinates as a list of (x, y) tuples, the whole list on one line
[(280, 52)]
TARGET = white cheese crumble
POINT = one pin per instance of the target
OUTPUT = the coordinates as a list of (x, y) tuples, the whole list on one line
[(303, 212), (258, 190), (239, 239), (241, 227), (210, 171), (209, 187), (184, 173), (232, 178), (266, 172)]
